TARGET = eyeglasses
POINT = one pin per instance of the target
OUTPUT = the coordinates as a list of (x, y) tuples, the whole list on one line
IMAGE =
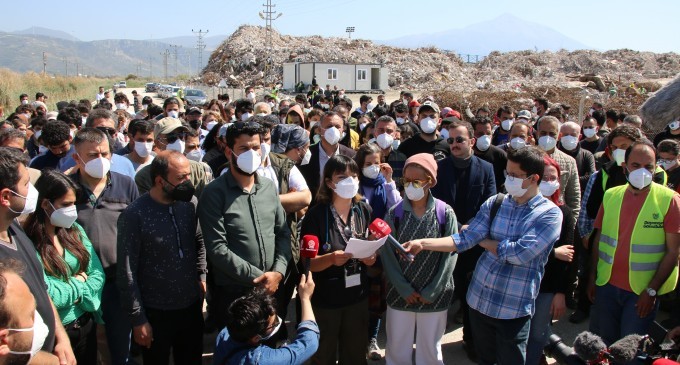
[(416, 183), (108, 130), (512, 177), (458, 139)]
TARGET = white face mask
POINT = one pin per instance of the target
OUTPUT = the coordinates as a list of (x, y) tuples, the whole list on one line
[(591, 111), (143, 149), (173, 114), (332, 135), (210, 125), (144, 106), (569, 142), (63, 217), (316, 138), (347, 188), (507, 124), (98, 167), (195, 155), (548, 188), (178, 146), (384, 141), (249, 161), (514, 187), (517, 143), (306, 158), (72, 133), (312, 124), (245, 116), (413, 193), (400, 121), (589, 132), (428, 125), (640, 178), (265, 148), (674, 126), (444, 133), (534, 110), (123, 106), (24, 102), (251, 96), (37, 134), (483, 143), (273, 332), (619, 156), (42, 150), (372, 171), (40, 332), (395, 144), (547, 143), (667, 164), (31, 200)]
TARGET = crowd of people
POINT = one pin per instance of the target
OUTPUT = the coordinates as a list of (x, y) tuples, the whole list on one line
[(117, 226)]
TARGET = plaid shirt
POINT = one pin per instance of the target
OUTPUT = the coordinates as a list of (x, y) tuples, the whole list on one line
[(586, 224), (505, 286)]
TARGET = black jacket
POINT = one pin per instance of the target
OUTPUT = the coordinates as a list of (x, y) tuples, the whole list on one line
[(311, 171)]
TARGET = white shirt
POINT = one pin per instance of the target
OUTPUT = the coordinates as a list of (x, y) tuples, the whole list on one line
[(295, 179), (323, 159), (100, 97)]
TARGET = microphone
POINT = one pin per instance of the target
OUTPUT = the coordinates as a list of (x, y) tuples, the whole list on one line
[(309, 247), (379, 229), (625, 349), (590, 347)]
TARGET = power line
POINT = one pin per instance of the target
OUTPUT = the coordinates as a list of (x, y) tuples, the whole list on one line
[(175, 55), (200, 46), (269, 15), (165, 63)]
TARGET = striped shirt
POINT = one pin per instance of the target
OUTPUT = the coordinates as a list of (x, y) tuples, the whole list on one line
[(505, 286)]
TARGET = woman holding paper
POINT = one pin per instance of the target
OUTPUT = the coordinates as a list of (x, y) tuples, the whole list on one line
[(419, 292), (340, 300)]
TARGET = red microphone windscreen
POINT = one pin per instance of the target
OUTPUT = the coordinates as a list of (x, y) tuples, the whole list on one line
[(309, 246), (379, 228)]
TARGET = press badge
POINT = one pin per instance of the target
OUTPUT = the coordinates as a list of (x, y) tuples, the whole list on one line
[(352, 276)]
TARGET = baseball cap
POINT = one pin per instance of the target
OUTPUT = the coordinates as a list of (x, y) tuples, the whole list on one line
[(194, 110), (524, 114), (166, 126), (428, 105)]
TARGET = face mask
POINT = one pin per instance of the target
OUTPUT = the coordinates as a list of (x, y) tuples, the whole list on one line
[(413, 193), (42, 150), (667, 164), (40, 332), (548, 188), (674, 126), (401, 121), (233, 119), (306, 157), (384, 141), (98, 167), (483, 143), (210, 125), (271, 105), (444, 133), (245, 116), (178, 146), (347, 188), (63, 217), (514, 187), (591, 111), (248, 161), (547, 143), (517, 143), (24, 102), (273, 332), (251, 96), (395, 144), (195, 155), (428, 125), (173, 114), (123, 106), (312, 124), (619, 156), (143, 149), (145, 106), (316, 138), (332, 136), (507, 124), (362, 126), (37, 134), (265, 148), (71, 133), (640, 178), (589, 132), (30, 200), (183, 191), (569, 142), (534, 110), (372, 171)]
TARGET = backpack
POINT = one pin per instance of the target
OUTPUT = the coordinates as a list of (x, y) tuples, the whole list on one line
[(494, 208), (440, 212)]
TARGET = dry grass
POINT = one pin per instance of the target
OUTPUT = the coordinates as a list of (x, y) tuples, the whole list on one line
[(13, 84)]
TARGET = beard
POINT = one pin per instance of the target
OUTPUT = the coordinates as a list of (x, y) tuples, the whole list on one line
[(234, 166)]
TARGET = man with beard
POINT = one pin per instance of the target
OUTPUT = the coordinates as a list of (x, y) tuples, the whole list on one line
[(56, 136), (427, 141), (244, 225)]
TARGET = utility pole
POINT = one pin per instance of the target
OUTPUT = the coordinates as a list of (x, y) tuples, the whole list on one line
[(150, 68), (165, 63), (77, 69), (175, 56), (44, 64), (66, 66), (269, 15), (200, 46)]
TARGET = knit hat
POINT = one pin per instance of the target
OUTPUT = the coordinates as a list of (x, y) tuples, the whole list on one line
[(427, 162), (287, 136)]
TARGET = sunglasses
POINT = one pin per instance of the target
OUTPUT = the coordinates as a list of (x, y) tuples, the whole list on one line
[(458, 139), (416, 183), (108, 130), (172, 137)]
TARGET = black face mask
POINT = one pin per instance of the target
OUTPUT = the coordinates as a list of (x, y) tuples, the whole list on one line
[(195, 124), (181, 192)]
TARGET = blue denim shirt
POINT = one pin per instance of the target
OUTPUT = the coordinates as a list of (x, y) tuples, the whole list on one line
[(231, 352)]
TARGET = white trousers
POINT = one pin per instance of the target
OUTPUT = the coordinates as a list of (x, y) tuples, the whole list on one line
[(428, 329)]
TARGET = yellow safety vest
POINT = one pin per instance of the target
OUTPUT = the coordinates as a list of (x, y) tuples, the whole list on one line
[(648, 240), (658, 170)]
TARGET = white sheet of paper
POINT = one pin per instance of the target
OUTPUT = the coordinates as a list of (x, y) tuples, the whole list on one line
[(361, 249)]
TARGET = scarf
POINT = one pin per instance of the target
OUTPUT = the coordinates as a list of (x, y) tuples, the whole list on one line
[(379, 199)]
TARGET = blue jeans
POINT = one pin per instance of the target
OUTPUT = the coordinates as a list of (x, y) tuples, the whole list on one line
[(117, 324), (616, 314), (500, 341), (540, 328)]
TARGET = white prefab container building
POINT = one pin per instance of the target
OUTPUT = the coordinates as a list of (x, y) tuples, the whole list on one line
[(348, 76)]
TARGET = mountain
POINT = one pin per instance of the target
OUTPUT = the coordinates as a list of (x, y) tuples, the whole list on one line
[(505, 33), (211, 43), (47, 32)]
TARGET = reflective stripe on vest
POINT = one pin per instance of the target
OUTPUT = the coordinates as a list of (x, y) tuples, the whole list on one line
[(648, 239)]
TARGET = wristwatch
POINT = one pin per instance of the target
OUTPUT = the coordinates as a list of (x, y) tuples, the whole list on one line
[(651, 292)]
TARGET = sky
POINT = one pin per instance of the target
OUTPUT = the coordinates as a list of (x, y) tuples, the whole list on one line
[(650, 25)]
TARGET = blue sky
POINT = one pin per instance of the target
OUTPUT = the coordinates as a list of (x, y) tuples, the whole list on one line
[(650, 25)]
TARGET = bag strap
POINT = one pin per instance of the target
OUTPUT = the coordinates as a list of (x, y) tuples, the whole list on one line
[(398, 214), (496, 205), (440, 211)]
